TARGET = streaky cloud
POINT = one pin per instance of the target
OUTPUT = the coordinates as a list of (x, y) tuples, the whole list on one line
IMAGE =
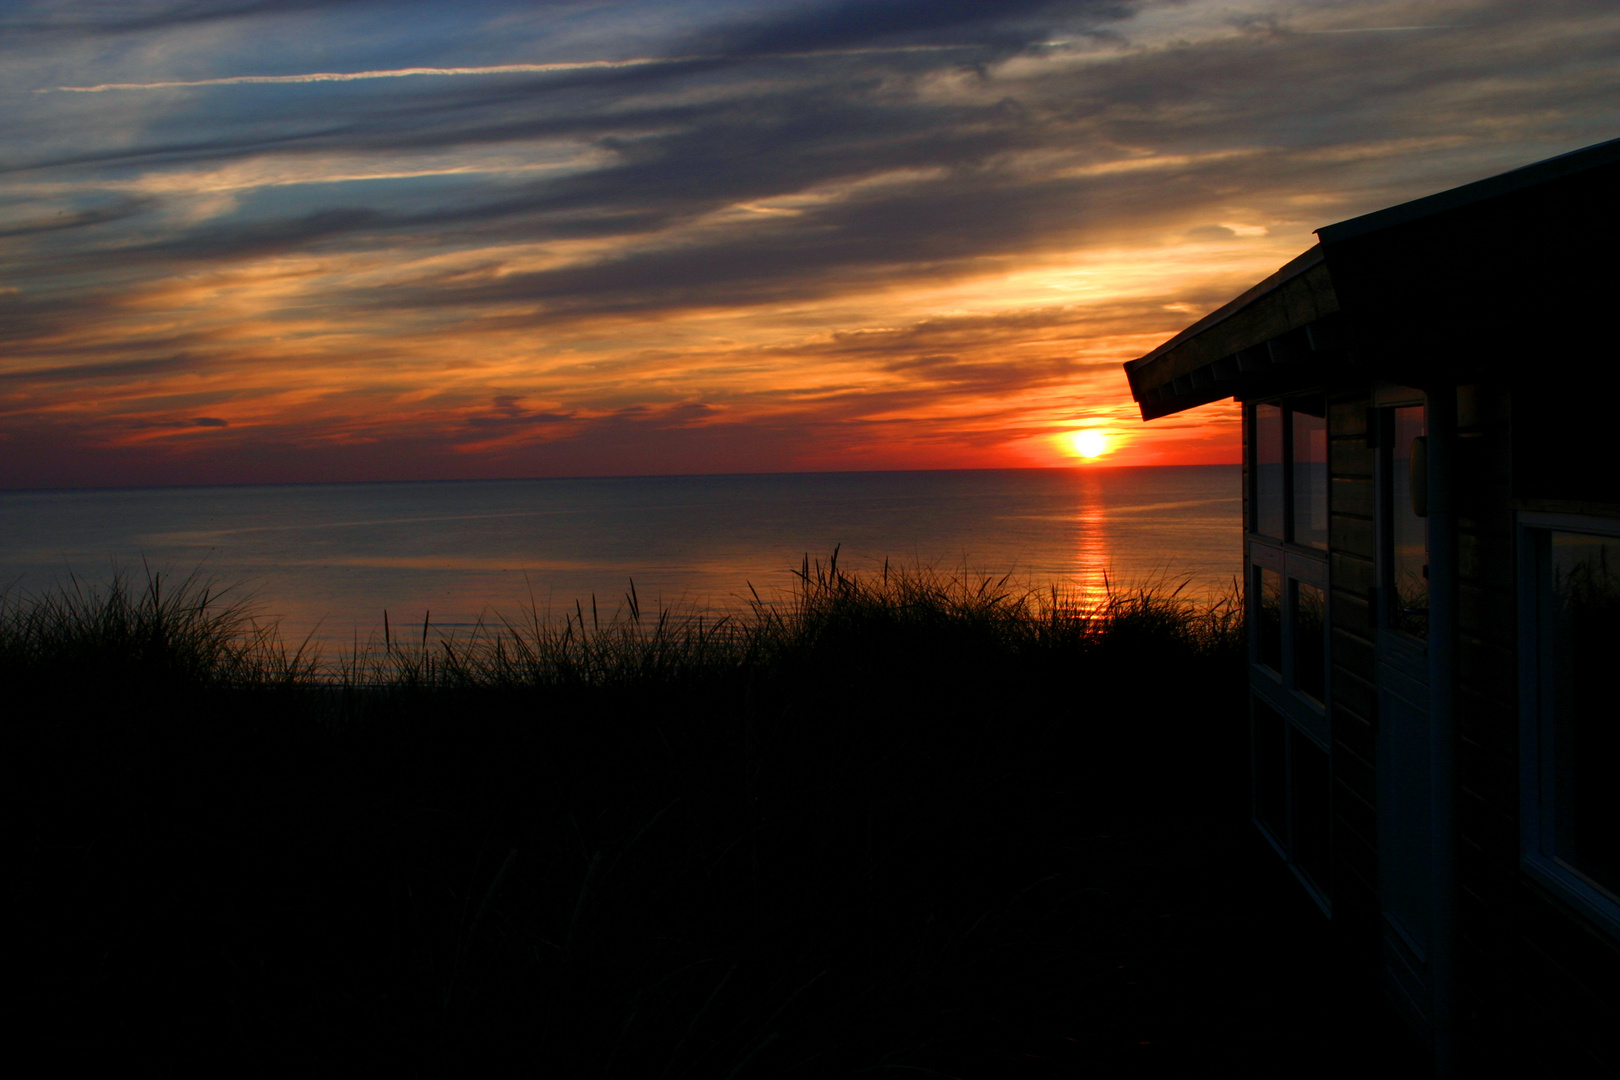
[(1378, 29), (135, 17), (846, 23), (389, 73), (124, 208), (490, 69)]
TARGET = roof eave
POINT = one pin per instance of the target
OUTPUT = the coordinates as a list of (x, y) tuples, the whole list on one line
[(1238, 344)]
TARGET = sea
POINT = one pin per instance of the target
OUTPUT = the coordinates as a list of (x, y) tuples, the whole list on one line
[(326, 561)]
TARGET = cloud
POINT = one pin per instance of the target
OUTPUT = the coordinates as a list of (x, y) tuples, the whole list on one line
[(112, 370), (122, 17), (850, 24), (354, 76), (509, 414), (862, 230), (63, 219)]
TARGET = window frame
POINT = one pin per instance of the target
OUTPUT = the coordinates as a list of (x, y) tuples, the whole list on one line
[(1537, 772), (1303, 716), (1281, 688), (1293, 562)]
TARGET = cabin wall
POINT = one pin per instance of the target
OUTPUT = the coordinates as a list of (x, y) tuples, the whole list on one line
[(1352, 695), (1487, 707), (1535, 980)]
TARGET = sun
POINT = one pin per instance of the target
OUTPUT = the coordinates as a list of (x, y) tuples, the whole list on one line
[(1088, 444)]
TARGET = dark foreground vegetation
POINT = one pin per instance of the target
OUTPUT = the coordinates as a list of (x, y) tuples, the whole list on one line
[(905, 823)]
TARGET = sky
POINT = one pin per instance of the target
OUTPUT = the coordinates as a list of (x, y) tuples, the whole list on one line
[(247, 241)]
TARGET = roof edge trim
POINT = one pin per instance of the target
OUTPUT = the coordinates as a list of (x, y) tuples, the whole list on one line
[(1296, 266)]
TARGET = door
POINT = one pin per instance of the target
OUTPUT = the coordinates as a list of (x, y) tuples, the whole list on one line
[(1406, 882)]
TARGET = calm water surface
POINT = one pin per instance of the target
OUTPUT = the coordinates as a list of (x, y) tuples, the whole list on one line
[(333, 557)]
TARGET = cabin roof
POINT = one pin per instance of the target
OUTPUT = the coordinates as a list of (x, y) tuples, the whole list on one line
[(1515, 180), (1270, 335), (1212, 357)]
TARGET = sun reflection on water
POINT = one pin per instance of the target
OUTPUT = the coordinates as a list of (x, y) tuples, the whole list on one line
[(1092, 561)]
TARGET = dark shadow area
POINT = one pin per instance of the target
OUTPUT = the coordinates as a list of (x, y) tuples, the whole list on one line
[(908, 826)]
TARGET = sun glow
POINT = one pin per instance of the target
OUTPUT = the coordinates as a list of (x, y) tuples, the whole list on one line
[(1088, 444)]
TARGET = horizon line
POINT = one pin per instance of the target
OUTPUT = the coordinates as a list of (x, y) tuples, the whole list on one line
[(1087, 467)]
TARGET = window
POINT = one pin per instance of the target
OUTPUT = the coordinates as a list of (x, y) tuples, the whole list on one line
[(1268, 622), (1291, 471), (1570, 606), (1311, 781), (1310, 640), (1288, 636), (1288, 597), (1308, 421), (1270, 746), (1292, 785), (1268, 471), (1407, 557), (1287, 577)]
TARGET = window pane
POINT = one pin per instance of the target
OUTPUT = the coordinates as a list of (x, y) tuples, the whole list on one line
[(1310, 640), (1268, 618), (1580, 646), (1270, 779), (1409, 532), (1268, 470), (1309, 848), (1310, 472)]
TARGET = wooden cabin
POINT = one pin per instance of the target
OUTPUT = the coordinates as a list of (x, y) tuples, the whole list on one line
[(1432, 569)]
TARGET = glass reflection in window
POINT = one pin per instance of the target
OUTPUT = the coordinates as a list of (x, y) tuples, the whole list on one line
[(1270, 769), (1309, 422), (1310, 641), (1580, 642), (1309, 847), (1268, 617), (1409, 526), (1268, 470)]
